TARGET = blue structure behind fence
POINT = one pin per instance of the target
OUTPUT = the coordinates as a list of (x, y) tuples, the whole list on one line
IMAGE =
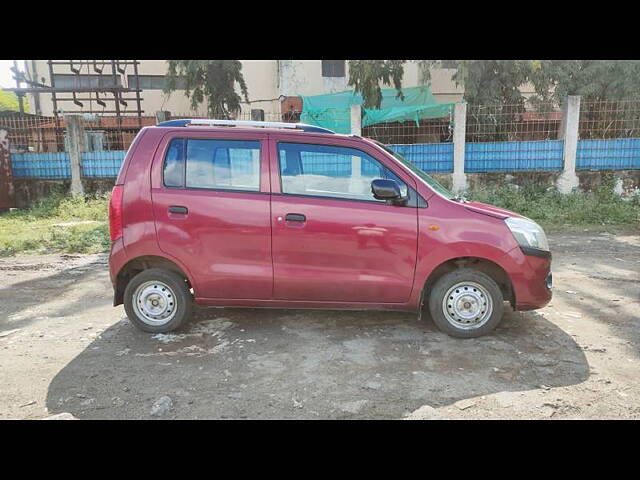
[(430, 157), (613, 154), (543, 155), (41, 165), (547, 155), (102, 164)]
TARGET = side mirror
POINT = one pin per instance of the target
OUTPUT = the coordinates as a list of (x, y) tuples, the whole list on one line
[(385, 189)]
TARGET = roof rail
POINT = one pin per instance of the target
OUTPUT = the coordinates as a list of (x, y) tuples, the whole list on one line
[(242, 123)]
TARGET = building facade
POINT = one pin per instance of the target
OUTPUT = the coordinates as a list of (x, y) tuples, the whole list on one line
[(269, 83)]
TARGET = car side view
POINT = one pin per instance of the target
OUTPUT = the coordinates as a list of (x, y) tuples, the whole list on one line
[(285, 215)]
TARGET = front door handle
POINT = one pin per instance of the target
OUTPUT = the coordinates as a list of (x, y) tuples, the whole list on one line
[(178, 209), (295, 217)]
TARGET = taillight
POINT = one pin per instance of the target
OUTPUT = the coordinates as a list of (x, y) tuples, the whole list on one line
[(115, 213)]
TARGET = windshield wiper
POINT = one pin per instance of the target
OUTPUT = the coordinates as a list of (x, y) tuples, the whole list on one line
[(460, 198)]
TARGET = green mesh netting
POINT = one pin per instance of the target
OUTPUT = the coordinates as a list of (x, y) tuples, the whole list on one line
[(333, 110)]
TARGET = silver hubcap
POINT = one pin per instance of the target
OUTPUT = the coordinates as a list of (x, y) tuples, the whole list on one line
[(154, 303), (467, 305)]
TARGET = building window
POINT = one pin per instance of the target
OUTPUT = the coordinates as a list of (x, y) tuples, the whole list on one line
[(86, 81), (333, 68), (153, 82)]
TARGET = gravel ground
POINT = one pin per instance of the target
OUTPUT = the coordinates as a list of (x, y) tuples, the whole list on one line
[(65, 349)]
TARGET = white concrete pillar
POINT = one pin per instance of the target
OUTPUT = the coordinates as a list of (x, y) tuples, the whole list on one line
[(568, 180), (356, 120), (75, 135), (355, 181), (459, 132)]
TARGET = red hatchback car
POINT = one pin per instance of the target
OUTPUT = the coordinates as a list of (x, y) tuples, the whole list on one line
[(260, 214)]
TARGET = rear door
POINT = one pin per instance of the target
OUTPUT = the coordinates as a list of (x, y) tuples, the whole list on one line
[(210, 194), (332, 241)]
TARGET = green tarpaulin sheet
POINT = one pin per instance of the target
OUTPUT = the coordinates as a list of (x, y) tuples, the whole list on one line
[(333, 111)]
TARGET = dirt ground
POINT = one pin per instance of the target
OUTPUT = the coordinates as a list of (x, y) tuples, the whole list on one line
[(64, 348)]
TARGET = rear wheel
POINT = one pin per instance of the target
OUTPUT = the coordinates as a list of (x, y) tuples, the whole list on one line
[(466, 303), (157, 300)]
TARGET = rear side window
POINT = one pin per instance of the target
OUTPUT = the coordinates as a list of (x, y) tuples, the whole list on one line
[(174, 164), (328, 171), (213, 164)]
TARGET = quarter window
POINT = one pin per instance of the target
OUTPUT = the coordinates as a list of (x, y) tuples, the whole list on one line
[(174, 164), (329, 171), (214, 164)]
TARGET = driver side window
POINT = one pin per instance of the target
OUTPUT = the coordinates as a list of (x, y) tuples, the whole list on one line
[(329, 171)]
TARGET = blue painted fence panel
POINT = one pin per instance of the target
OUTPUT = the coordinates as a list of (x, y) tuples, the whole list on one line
[(102, 164), (56, 165), (430, 157), (613, 154), (543, 155), (41, 165)]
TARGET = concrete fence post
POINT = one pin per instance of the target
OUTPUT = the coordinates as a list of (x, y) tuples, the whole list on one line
[(356, 120), (459, 131), (76, 145), (568, 180)]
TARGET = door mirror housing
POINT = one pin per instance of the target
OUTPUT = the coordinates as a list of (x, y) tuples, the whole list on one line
[(387, 190)]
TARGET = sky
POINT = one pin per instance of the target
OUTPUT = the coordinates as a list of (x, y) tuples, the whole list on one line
[(6, 76)]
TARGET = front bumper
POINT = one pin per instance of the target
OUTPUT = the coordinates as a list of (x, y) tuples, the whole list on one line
[(531, 278)]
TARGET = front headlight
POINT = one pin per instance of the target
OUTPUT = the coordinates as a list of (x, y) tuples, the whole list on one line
[(527, 233)]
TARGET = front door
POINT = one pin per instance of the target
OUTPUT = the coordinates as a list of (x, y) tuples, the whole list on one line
[(211, 205), (332, 241)]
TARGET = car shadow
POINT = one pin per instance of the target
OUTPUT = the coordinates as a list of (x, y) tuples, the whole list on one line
[(252, 363)]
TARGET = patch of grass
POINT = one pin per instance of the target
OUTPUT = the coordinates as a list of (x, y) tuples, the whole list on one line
[(53, 225), (602, 207)]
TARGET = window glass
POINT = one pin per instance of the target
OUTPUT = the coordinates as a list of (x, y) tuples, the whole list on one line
[(333, 68), (223, 164), (154, 82), (86, 81), (328, 171), (174, 164)]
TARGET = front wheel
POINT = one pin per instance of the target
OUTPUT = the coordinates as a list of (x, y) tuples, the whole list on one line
[(157, 300), (466, 303)]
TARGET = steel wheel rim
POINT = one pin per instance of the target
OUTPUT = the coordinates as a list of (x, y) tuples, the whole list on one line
[(155, 303), (467, 305)]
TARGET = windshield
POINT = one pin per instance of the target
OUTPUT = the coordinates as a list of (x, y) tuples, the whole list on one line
[(432, 182)]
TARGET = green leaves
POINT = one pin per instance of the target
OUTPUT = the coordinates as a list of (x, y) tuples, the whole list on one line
[(594, 80), (365, 76), (212, 81), (492, 82), (9, 102)]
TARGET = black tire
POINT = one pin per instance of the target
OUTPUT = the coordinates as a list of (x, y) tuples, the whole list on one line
[(176, 283), (447, 281)]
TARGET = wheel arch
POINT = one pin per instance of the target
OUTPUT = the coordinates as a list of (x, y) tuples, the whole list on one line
[(139, 264), (484, 265)]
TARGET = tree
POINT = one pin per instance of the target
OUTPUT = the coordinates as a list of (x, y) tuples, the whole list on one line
[(492, 82), (210, 80), (365, 76), (9, 102), (594, 80), (492, 90)]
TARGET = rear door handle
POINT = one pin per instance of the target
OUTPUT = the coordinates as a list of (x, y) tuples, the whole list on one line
[(178, 209), (295, 217)]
